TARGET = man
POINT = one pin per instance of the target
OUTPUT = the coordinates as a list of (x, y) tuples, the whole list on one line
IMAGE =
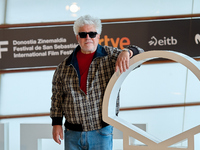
[(79, 84)]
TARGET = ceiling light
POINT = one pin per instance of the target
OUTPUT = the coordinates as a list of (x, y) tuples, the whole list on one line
[(73, 8)]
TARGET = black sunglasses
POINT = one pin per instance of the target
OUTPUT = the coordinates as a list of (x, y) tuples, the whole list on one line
[(84, 34)]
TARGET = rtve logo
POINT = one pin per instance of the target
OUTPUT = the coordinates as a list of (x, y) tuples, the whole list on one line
[(3, 49), (162, 42), (197, 38)]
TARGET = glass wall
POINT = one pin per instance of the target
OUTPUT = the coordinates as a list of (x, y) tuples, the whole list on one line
[(37, 11), (151, 84)]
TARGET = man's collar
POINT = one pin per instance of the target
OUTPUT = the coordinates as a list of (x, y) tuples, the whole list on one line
[(100, 52)]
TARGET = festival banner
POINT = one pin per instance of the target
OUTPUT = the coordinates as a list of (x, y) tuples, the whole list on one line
[(36, 47)]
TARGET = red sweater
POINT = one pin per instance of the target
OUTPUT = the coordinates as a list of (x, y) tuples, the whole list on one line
[(84, 61)]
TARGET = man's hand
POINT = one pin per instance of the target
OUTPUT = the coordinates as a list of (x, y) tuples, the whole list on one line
[(122, 62), (57, 133)]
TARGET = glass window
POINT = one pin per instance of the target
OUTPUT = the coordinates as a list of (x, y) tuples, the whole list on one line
[(2, 10), (14, 134), (196, 9), (25, 93), (158, 121), (193, 88), (31, 11), (165, 123), (191, 117), (156, 84)]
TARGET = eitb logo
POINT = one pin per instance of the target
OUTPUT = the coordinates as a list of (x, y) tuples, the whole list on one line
[(163, 41), (3, 49)]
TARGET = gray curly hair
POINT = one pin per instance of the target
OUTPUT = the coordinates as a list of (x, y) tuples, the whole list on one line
[(87, 20)]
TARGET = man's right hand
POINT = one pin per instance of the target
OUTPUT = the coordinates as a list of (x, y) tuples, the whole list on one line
[(57, 133)]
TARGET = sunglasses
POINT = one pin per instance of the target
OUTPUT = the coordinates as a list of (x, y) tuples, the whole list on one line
[(84, 34)]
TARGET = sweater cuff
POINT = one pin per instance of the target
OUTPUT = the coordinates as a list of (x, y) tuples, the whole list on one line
[(57, 121), (135, 49)]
